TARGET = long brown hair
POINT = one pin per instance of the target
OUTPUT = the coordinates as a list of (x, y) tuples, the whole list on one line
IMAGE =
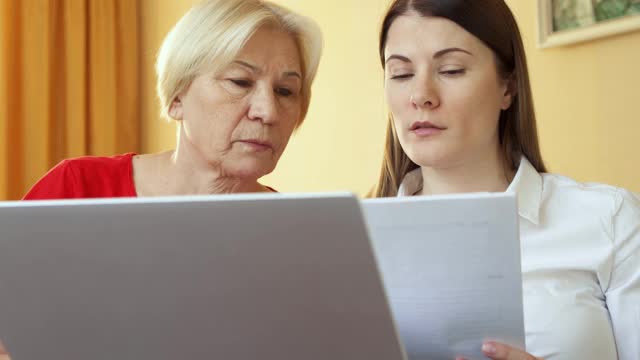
[(492, 22)]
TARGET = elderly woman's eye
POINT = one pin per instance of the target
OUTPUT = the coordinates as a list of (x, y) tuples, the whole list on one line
[(241, 83), (284, 92)]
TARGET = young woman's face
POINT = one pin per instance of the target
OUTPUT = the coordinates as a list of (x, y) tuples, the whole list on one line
[(444, 91)]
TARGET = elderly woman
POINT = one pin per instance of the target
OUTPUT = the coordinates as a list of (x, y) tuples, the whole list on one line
[(236, 77)]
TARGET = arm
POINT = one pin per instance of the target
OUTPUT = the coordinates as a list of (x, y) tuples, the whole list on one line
[(623, 292)]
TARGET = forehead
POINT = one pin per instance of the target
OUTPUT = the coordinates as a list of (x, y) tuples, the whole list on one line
[(270, 45), (413, 35)]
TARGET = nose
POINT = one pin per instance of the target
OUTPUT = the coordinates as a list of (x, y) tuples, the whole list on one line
[(263, 106), (425, 94)]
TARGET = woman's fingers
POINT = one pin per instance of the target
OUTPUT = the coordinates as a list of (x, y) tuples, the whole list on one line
[(498, 351), (3, 352)]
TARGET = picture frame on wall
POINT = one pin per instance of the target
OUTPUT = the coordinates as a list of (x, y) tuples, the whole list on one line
[(564, 22)]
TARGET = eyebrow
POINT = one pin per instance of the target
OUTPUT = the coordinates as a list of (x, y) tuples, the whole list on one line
[(255, 69), (292, 74), (438, 54), (444, 52), (247, 65), (397, 57)]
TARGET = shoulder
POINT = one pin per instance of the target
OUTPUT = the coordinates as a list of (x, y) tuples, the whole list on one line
[(614, 209), (601, 198), (98, 163), (98, 169), (86, 176)]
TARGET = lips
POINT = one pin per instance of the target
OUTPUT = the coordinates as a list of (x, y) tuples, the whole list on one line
[(425, 125), (426, 129), (260, 145)]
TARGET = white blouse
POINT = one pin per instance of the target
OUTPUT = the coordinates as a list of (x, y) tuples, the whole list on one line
[(580, 265)]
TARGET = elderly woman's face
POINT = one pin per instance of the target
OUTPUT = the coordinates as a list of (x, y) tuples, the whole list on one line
[(240, 119)]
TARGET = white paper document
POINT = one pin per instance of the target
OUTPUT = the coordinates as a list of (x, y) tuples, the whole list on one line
[(451, 268)]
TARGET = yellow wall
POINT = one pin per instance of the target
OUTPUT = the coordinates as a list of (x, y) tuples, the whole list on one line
[(588, 102), (587, 98), (156, 20)]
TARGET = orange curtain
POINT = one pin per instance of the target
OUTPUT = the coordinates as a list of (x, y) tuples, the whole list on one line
[(70, 84)]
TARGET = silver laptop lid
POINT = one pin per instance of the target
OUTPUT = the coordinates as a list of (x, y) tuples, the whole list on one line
[(239, 277)]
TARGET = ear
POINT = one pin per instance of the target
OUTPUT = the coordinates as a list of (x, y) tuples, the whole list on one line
[(175, 109), (510, 91)]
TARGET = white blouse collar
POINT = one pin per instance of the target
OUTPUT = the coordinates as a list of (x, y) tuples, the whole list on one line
[(527, 184)]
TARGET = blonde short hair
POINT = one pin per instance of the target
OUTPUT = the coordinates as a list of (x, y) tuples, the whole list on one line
[(210, 36)]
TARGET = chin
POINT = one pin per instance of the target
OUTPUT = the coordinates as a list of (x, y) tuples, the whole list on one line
[(432, 157), (250, 168)]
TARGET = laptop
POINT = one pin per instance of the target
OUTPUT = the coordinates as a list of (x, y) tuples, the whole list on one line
[(234, 277), (451, 268)]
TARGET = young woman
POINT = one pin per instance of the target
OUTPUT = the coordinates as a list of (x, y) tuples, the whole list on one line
[(462, 120)]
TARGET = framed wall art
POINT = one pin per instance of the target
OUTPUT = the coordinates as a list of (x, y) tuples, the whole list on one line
[(564, 22)]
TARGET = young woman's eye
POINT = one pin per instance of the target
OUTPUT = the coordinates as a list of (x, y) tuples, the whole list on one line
[(401, 76), (284, 92), (453, 72), (241, 83)]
